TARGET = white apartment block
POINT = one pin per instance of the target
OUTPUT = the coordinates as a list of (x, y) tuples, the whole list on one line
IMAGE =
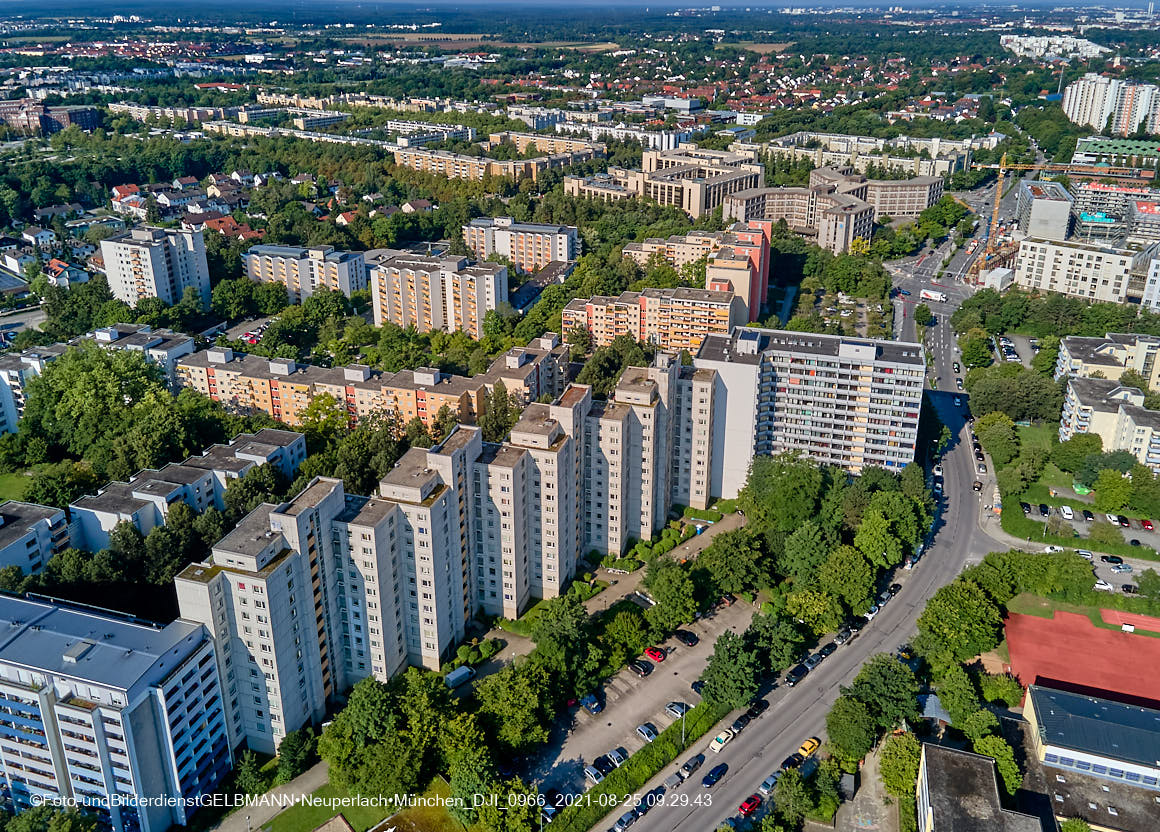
[(30, 534), (1086, 270), (303, 271), (106, 710), (1097, 101), (529, 246), (1116, 414), (436, 293), (695, 418), (1110, 356), (148, 262), (848, 402)]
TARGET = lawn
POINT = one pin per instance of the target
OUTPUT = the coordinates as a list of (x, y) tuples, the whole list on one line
[(303, 818), (13, 486), (1037, 605)]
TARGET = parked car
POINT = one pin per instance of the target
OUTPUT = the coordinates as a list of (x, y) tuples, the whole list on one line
[(1044, 510), (604, 765), (827, 649), (758, 707), (593, 775), (698, 686), (1121, 569), (958, 401), (981, 468), (1051, 549), (1066, 513), (769, 783), (884, 598), (958, 384), (692, 764), (955, 366), (647, 731), (686, 638), (641, 667), (1102, 585), (870, 613), (792, 761), (592, 704), (1133, 542), (1088, 516), (937, 470), (655, 653), (1124, 522), (676, 709), (720, 741), (624, 821), (1113, 519), (750, 805), (812, 661), (714, 775), (1147, 525), (1026, 508), (1084, 553), (618, 756), (796, 675), (978, 486), (809, 747), (843, 636), (739, 724), (1130, 589), (1111, 559)]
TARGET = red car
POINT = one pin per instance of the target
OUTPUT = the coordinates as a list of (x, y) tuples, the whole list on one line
[(655, 653), (1147, 524), (751, 805)]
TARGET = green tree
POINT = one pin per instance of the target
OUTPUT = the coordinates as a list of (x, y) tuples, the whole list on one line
[(1004, 687), (804, 552), (732, 675), (499, 413), (888, 688), (732, 562), (820, 612), (777, 639), (960, 621), (851, 729), (999, 749), (248, 774), (957, 693), (998, 437), (1113, 491), (898, 764), (1075, 825), (792, 797), (295, 754), (781, 493), (1071, 454), (847, 575), (323, 421), (516, 705), (673, 590), (979, 724), (48, 818), (875, 540), (922, 315)]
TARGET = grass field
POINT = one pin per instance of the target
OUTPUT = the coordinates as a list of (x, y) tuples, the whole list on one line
[(760, 48), (1037, 605), (13, 486)]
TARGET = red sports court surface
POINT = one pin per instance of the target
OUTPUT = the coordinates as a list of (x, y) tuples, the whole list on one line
[(1071, 653)]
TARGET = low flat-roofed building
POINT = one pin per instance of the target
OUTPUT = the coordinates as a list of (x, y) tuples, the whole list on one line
[(959, 792), (1097, 737)]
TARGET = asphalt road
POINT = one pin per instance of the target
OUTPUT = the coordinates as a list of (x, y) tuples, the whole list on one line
[(799, 712)]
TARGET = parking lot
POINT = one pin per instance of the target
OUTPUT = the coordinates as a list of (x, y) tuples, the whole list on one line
[(1021, 346), (630, 701)]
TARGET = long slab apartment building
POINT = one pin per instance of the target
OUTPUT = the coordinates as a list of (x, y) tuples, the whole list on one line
[(304, 271), (528, 245), (306, 597)]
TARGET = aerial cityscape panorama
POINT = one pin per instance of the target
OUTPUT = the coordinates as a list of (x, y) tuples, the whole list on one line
[(509, 416)]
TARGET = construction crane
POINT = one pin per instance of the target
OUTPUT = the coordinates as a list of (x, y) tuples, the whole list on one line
[(993, 230)]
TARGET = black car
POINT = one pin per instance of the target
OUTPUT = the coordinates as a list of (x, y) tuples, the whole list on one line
[(796, 675), (1088, 516), (758, 707), (641, 667), (714, 775), (1026, 508), (1123, 521), (827, 649), (1044, 510), (792, 761), (1111, 559), (686, 638), (856, 626), (955, 366), (979, 457), (698, 686), (978, 486), (1133, 542), (1130, 589), (739, 724), (895, 589), (843, 636), (603, 765)]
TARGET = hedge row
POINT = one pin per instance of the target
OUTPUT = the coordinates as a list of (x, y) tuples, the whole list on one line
[(640, 768)]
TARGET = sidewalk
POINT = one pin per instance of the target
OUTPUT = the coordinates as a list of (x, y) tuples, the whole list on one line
[(252, 818)]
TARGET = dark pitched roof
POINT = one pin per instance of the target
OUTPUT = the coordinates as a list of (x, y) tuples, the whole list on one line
[(1097, 726)]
